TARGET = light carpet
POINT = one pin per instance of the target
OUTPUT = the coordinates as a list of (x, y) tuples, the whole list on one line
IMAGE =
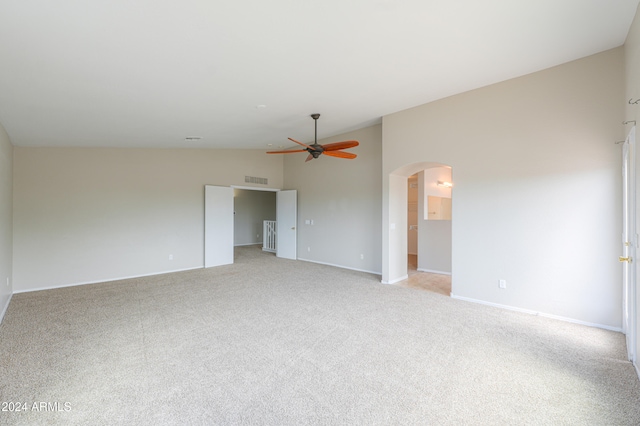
[(269, 341)]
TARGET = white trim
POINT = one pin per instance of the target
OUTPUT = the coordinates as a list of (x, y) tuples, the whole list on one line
[(542, 314), (629, 229), (339, 266), (6, 306), (397, 280), (431, 271), (253, 188), (248, 244), (107, 280)]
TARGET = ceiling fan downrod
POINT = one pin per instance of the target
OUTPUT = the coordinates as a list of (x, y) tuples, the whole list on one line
[(315, 120)]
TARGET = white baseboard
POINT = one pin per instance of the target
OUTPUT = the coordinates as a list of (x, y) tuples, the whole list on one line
[(432, 271), (397, 280), (105, 280), (339, 266), (248, 244), (4, 308), (542, 314)]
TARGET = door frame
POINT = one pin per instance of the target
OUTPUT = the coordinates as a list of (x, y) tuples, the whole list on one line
[(394, 222), (629, 245)]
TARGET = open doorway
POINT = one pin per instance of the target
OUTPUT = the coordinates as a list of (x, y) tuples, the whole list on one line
[(219, 226), (251, 208), (420, 227), (429, 230)]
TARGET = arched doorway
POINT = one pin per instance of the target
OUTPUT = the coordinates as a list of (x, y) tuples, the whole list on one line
[(395, 222)]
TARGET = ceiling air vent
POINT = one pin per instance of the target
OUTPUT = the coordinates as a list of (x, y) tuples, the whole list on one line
[(253, 179)]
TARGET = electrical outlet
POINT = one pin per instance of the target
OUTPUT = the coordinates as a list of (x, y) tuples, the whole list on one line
[(309, 249), (361, 256), (502, 283), (170, 257)]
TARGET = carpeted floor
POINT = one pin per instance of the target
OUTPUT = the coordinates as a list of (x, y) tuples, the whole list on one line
[(279, 342)]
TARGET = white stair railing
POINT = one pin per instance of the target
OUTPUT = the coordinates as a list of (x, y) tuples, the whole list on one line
[(269, 236)]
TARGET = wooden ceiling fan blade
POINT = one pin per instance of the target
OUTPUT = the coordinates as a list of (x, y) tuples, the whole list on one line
[(340, 145), (331, 149), (287, 152), (300, 143), (340, 154)]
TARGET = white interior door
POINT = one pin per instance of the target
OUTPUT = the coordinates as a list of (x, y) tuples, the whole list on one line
[(629, 244), (287, 221), (218, 225)]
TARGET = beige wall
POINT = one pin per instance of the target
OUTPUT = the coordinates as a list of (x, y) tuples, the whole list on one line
[(632, 71), (343, 198), (537, 187), (6, 219), (88, 215), (434, 246)]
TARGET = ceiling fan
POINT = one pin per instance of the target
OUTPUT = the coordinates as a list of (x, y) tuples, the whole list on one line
[(315, 149)]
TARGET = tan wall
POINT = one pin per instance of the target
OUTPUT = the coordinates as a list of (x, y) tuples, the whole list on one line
[(343, 199), (632, 71), (537, 187), (434, 246), (87, 215)]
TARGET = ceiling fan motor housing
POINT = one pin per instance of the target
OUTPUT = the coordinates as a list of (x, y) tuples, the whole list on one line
[(316, 151)]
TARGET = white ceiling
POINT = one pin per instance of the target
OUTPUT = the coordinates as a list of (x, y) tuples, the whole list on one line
[(150, 73)]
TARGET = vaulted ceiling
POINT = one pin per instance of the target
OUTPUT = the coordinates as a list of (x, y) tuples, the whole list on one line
[(245, 74)]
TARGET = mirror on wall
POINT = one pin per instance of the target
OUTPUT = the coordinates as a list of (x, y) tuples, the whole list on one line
[(438, 208)]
